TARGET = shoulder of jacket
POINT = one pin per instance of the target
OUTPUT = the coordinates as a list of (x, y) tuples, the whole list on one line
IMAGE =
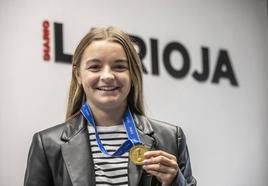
[(54, 129), (163, 124), (157, 126), (165, 127), (169, 137)]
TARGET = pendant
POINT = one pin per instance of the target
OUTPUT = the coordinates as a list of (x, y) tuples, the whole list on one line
[(136, 154)]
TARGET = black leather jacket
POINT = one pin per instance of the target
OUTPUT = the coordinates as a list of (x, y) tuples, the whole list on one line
[(60, 156)]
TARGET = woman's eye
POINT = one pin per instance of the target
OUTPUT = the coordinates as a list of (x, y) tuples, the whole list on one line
[(121, 67), (94, 68)]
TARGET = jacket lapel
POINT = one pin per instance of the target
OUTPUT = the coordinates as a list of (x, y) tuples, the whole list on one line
[(78, 158), (145, 133), (76, 153)]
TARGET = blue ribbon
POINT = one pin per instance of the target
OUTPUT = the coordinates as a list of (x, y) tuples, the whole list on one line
[(133, 137)]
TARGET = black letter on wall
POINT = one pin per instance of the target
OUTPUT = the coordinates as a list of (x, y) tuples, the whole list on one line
[(223, 60), (186, 59), (154, 54), (142, 49), (205, 73), (59, 55)]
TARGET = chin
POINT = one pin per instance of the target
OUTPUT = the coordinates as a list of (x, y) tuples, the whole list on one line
[(112, 103)]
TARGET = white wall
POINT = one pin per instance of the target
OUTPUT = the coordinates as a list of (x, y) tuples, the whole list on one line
[(225, 125)]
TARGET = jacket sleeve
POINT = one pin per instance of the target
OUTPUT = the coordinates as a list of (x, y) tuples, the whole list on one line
[(37, 171), (184, 175)]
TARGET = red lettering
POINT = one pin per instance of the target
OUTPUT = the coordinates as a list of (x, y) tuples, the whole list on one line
[(45, 24), (46, 40), (46, 57)]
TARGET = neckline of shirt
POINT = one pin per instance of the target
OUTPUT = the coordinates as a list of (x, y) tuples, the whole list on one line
[(108, 128)]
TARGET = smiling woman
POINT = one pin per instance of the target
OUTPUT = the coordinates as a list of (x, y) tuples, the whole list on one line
[(106, 138), (105, 77)]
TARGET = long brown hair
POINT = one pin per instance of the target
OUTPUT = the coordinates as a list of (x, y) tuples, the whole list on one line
[(76, 93)]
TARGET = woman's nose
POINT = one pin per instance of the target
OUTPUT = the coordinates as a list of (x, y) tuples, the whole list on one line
[(107, 74)]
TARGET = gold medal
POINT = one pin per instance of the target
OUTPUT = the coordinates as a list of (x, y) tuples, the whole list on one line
[(136, 154)]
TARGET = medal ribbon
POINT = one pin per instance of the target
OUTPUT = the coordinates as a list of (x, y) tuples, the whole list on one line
[(129, 124)]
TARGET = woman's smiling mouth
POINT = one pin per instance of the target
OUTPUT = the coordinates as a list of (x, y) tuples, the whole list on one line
[(107, 88)]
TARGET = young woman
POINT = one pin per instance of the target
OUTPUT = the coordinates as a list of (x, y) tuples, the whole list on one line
[(107, 139)]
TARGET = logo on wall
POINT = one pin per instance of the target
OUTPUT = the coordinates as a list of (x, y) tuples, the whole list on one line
[(46, 41), (223, 68)]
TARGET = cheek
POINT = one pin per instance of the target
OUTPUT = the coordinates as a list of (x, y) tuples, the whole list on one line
[(89, 80), (128, 83)]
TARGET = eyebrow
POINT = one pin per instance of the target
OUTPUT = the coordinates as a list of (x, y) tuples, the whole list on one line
[(95, 60), (121, 61)]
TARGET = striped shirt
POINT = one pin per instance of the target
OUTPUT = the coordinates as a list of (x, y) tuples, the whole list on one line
[(109, 170)]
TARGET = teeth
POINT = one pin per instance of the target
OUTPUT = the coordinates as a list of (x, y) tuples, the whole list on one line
[(107, 88)]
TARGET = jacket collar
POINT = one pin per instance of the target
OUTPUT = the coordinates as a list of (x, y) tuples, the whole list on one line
[(76, 152), (78, 157), (73, 127)]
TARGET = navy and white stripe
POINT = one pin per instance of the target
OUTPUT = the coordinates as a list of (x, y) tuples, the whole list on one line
[(109, 170)]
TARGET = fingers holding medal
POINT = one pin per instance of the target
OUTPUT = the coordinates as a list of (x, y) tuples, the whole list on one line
[(162, 165)]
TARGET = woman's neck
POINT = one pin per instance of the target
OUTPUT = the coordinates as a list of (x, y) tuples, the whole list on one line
[(108, 117)]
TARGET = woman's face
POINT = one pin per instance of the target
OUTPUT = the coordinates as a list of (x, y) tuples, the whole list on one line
[(104, 75)]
